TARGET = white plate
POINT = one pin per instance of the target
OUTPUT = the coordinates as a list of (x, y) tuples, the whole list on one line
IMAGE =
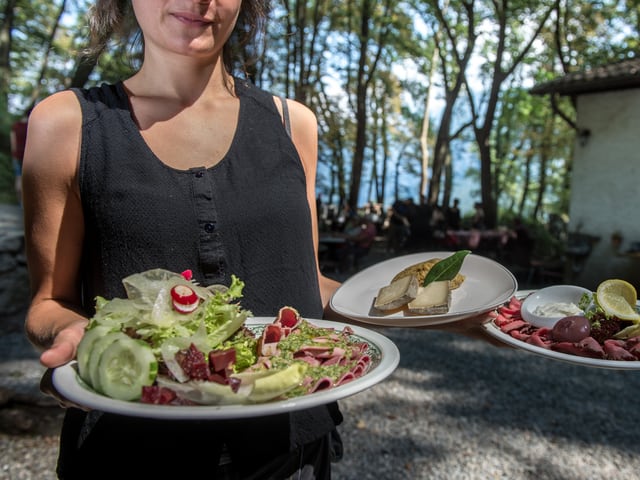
[(384, 360), (495, 332), (487, 285)]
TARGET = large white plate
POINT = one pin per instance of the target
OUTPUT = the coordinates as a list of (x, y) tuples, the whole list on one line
[(384, 360), (487, 284), (495, 332)]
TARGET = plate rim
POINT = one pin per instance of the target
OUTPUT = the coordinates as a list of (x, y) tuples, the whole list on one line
[(493, 330), (66, 382), (421, 320)]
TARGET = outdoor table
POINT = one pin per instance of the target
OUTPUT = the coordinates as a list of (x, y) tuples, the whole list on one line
[(328, 248)]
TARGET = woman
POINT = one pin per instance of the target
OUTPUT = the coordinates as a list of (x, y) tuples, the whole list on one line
[(181, 166)]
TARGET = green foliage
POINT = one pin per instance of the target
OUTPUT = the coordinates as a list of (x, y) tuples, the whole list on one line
[(533, 151)]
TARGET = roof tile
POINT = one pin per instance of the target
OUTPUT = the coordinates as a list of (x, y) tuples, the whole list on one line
[(613, 76)]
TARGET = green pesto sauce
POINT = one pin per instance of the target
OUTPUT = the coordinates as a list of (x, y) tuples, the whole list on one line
[(304, 336)]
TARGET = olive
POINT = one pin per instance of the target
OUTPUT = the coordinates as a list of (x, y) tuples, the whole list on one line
[(571, 329)]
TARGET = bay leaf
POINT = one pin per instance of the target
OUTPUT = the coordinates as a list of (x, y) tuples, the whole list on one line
[(447, 268)]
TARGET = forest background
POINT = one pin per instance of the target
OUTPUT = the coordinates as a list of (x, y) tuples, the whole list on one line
[(417, 99)]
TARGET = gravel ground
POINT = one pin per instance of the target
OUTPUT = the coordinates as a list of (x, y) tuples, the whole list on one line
[(29, 420), (462, 409)]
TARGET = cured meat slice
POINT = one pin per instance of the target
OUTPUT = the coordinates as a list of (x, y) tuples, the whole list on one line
[(540, 338), (514, 325), (288, 317), (268, 341), (322, 384), (615, 350), (347, 377), (585, 348)]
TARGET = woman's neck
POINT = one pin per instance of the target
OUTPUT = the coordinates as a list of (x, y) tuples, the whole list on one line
[(182, 81)]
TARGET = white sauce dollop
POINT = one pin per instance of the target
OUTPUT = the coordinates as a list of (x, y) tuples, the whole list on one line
[(558, 309)]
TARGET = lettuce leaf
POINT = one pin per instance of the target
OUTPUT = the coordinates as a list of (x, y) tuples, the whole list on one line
[(148, 312)]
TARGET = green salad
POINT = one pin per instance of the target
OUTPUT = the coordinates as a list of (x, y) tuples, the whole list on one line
[(172, 341)]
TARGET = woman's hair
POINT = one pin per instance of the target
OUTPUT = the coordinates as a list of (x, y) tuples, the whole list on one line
[(114, 19)]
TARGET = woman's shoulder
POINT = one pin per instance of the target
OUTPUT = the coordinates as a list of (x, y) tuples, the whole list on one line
[(53, 136), (55, 114), (296, 109), (301, 115), (67, 109), (245, 87), (302, 120)]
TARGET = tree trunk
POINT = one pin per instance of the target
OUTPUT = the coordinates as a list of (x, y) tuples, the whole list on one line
[(5, 66), (361, 107), (483, 132), (452, 91), (35, 94), (424, 133)]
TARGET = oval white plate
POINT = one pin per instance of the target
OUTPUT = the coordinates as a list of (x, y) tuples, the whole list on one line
[(487, 285), (493, 330), (384, 360)]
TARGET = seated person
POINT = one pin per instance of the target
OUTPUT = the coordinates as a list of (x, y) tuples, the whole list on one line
[(453, 215), (359, 242), (521, 245), (477, 222)]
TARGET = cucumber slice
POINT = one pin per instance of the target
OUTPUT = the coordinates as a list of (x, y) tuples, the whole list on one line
[(125, 367), (98, 347), (86, 345)]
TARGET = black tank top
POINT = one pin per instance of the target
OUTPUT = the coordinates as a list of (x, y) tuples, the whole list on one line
[(248, 216)]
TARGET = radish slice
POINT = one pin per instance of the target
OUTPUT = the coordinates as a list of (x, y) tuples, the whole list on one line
[(184, 299)]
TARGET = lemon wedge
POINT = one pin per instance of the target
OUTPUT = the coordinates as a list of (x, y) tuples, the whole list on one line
[(618, 298)]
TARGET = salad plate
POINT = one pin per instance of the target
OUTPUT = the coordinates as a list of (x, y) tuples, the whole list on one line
[(487, 285), (493, 330), (384, 360)]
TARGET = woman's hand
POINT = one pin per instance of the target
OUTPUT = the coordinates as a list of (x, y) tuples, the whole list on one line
[(64, 346), (62, 351)]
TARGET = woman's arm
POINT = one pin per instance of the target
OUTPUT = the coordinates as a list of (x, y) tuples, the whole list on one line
[(54, 228), (304, 133)]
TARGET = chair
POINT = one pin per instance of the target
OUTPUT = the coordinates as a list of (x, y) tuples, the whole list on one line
[(546, 271)]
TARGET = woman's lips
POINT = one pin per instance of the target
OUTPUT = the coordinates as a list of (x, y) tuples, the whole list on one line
[(191, 19)]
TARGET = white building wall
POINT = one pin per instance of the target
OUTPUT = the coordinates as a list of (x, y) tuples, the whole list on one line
[(605, 184)]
